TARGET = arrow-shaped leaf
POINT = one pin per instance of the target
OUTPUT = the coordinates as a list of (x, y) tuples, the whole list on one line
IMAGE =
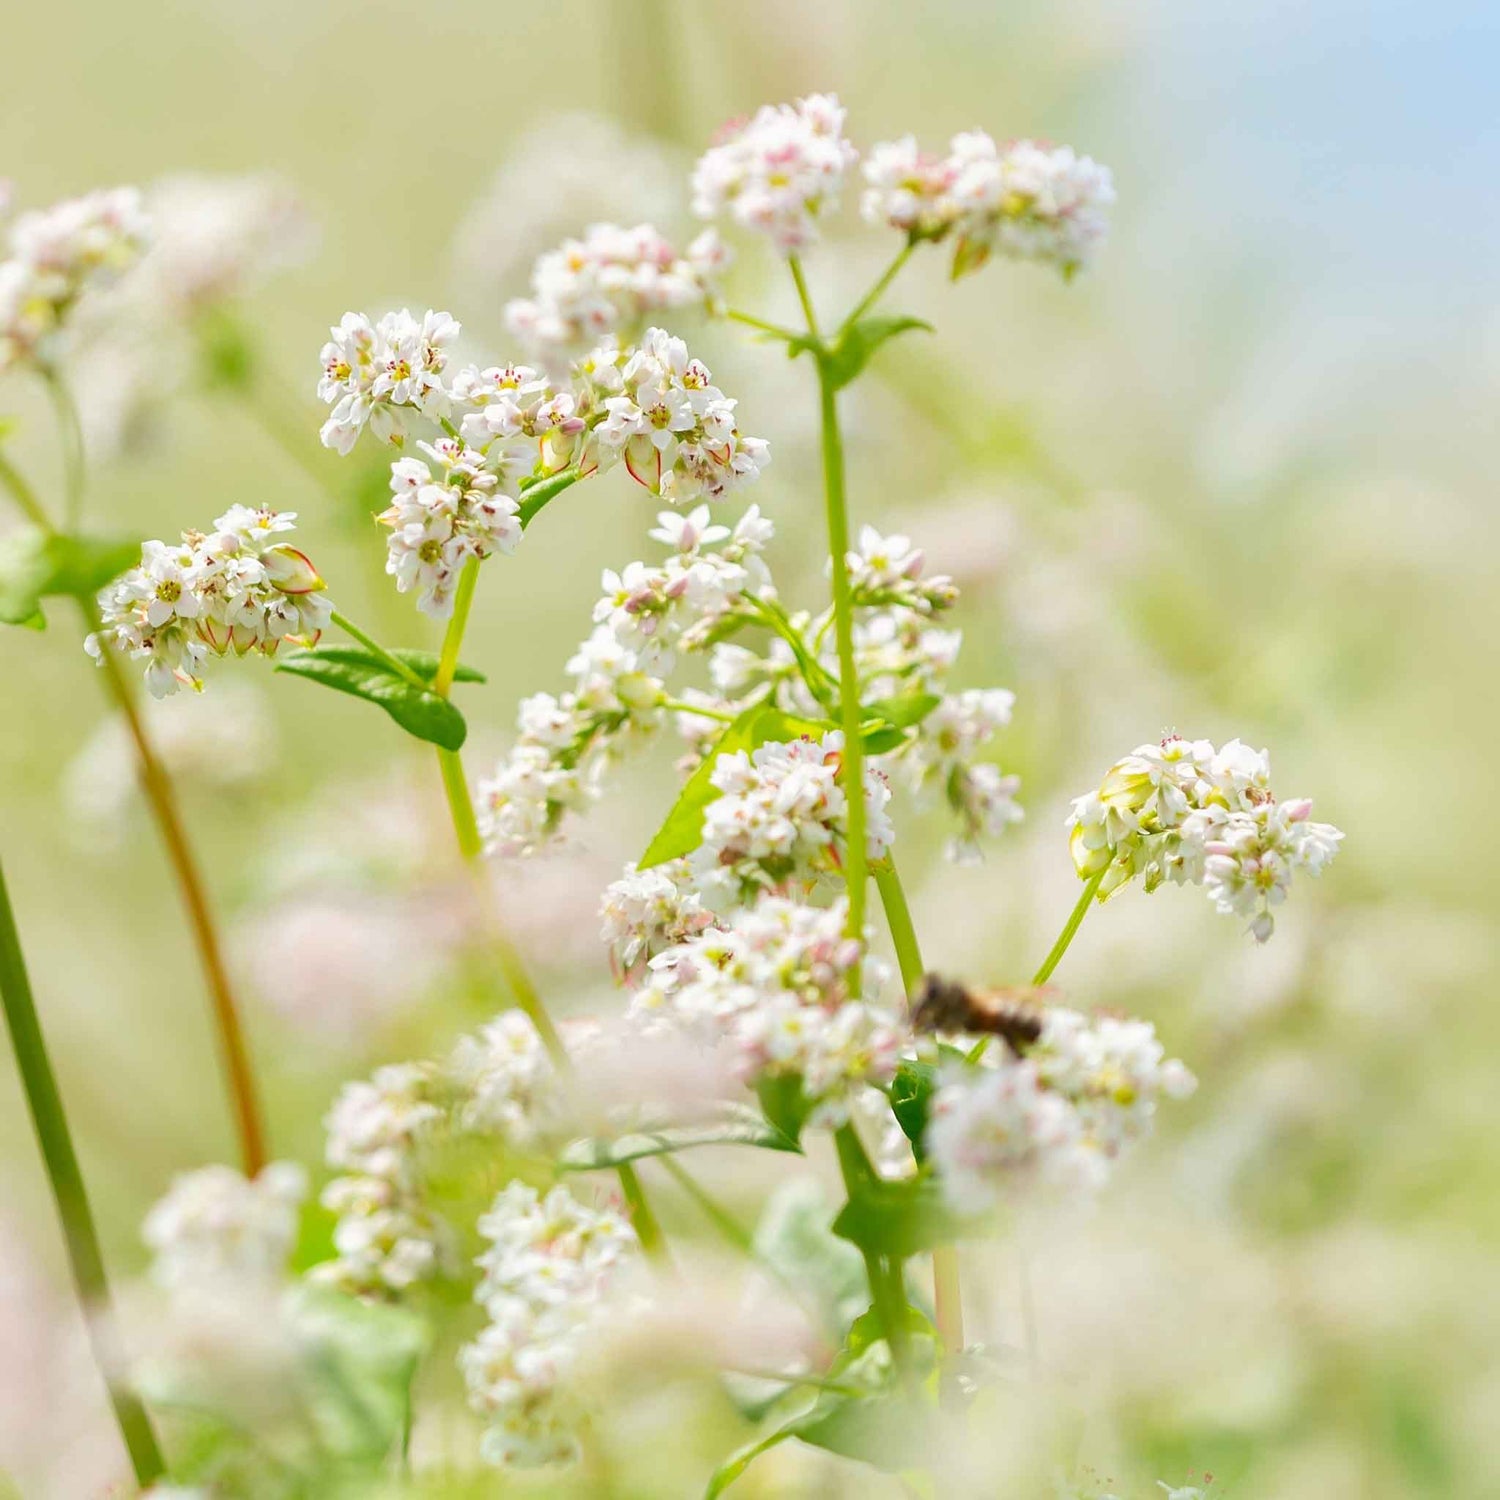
[(859, 342), (35, 565)]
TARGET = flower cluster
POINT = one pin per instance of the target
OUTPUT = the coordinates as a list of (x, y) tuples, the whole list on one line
[(778, 171), (888, 571), (775, 985), (550, 1265), (373, 373), (645, 912), (566, 743), (1028, 200), (1057, 1115), (609, 284), (238, 586), (440, 520), (386, 1238), (507, 1082), (56, 255), (216, 1228), (942, 755), (780, 820), (1184, 811)]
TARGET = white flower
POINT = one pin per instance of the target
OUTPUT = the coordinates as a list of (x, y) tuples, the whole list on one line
[(647, 911), (1182, 810), (609, 284), (549, 1267), (237, 587), (215, 1227), (777, 172), (887, 570), (374, 372), (908, 189), (774, 986)]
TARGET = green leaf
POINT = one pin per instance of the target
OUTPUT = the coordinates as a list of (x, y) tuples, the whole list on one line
[(351, 669), (748, 1130), (793, 1239), (900, 1218), (881, 739), (911, 1100), (904, 710), (785, 1103), (542, 491), (888, 1432), (683, 830), (741, 1459), (36, 564), (423, 663), (859, 342)]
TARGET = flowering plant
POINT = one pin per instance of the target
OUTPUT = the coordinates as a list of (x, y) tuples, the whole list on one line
[(509, 1171)]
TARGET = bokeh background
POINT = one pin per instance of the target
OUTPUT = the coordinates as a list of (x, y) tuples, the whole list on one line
[(1237, 480)]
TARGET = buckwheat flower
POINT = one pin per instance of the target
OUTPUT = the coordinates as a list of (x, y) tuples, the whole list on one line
[(216, 1227), (373, 373), (386, 1238), (773, 986), (439, 521), (609, 284), (1184, 811), (887, 570), (509, 1083), (56, 256), (778, 172), (1028, 200), (547, 1275), (908, 189), (779, 820), (237, 587), (647, 911)]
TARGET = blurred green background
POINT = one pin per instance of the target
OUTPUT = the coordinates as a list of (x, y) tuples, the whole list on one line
[(1236, 480)]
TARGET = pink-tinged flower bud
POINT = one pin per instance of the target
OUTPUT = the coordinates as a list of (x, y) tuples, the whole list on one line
[(214, 634), (1297, 809), (292, 571), (243, 638)]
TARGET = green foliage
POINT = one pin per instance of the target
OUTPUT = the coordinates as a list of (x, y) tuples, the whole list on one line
[(785, 1103), (354, 670), (36, 565), (851, 351), (542, 491), (899, 1218), (683, 830), (794, 1240)]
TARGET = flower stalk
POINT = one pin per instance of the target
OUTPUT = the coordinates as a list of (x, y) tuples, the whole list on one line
[(85, 1258)]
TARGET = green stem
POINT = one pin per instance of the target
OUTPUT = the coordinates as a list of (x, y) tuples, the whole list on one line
[(23, 494), (677, 706), (760, 324), (877, 291), (1075, 921), (70, 431), (724, 1221), (56, 1141), (898, 918), (647, 1229), (852, 770), (887, 1295), (375, 649), (458, 622), (803, 296)]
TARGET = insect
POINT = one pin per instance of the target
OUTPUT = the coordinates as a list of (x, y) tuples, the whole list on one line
[(1014, 1013)]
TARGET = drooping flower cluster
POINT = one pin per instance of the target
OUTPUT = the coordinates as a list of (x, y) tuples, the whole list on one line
[(645, 912), (773, 985), (566, 743), (780, 821), (55, 256), (239, 586), (778, 171), (1184, 811), (549, 1268), (387, 1238), (1027, 200), (1057, 1115), (440, 520), (374, 373), (216, 1228), (610, 284)]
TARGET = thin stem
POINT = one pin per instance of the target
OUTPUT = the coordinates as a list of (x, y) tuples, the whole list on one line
[(1074, 922), (877, 291), (947, 1277), (375, 649), (781, 1377), (852, 769), (70, 431), (803, 296), (750, 321), (724, 1221), (63, 1173), (23, 493), (677, 706), (159, 791), (471, 847)]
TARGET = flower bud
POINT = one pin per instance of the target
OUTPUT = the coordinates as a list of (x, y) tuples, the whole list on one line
[(292, 571)]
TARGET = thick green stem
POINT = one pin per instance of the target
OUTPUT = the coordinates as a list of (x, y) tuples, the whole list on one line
[(887, 1294), (56, 1141), (1075, 921)]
